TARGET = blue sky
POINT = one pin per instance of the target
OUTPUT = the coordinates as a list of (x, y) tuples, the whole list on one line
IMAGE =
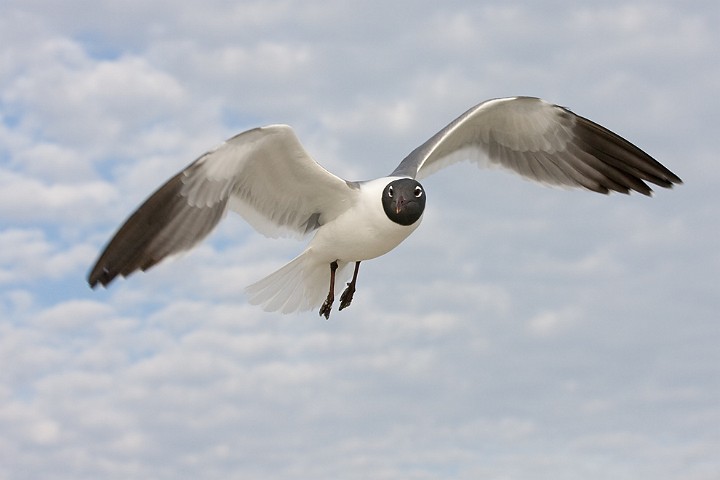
[(521, 332)]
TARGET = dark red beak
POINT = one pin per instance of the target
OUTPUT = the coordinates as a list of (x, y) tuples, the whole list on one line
[(400, 203)]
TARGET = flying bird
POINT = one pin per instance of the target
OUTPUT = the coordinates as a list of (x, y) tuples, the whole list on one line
[(266, 176)]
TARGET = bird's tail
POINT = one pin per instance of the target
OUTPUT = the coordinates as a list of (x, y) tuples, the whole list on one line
[(300, 285)]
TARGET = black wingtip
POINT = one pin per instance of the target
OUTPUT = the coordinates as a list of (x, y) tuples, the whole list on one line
[(622, 161), (100, 276), (674, 180)]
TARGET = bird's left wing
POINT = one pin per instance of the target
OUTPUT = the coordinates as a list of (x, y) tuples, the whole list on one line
[(542, 142), (264, 174)]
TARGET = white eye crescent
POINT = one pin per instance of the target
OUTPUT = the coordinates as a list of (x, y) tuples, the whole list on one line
[(390, 191), (418, 192)]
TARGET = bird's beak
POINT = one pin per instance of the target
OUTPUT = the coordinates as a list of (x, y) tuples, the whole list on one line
[(400, 204)]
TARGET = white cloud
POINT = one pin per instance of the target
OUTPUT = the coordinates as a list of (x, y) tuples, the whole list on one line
[(28, 254), (552, 322), (75, 99), (28, 199), (520, 332)]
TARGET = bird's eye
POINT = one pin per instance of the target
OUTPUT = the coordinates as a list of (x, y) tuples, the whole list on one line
[(418, 192), (390, 191)]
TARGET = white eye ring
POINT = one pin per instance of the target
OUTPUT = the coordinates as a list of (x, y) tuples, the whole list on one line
[(390, 191), (418, 192)]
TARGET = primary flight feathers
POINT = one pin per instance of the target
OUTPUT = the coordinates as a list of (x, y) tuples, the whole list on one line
[(265, 175)]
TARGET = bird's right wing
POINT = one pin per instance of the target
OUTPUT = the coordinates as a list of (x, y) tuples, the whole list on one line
[(264, 174)]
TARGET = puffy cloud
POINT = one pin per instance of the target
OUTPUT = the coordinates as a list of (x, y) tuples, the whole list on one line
[(28, 199), (68, 96), (520, 332), (27, 255)]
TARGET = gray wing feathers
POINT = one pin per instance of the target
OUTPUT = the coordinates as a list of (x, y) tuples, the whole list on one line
[(163, 225), (282, 191), (263, 173), (542, 142)]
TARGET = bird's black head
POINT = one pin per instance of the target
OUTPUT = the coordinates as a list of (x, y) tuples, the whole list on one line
[(404, 201)]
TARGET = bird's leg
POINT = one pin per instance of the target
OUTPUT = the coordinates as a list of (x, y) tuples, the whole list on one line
[(327, 306), (347, 295)]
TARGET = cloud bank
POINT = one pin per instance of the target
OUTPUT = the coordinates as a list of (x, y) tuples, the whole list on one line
[(521, 332)]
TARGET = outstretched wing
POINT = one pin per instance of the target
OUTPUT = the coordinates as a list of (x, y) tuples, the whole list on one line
[(542, 142), (264, 174)]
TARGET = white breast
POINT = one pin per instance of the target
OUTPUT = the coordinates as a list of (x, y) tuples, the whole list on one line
[(364, 231)]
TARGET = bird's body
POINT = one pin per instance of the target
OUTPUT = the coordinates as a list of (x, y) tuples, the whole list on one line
[(362, 232), (265, 175)]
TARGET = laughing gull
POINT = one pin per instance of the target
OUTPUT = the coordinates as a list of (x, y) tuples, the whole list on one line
[(265, 175)]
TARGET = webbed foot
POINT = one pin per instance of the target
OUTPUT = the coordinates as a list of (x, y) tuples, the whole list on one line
[(347, 296), (327, 307)]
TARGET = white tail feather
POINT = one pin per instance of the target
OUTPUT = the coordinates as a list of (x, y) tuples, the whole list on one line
[(300, 285)]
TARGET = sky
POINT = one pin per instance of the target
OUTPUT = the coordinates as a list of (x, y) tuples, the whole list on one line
[(521, 332)]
